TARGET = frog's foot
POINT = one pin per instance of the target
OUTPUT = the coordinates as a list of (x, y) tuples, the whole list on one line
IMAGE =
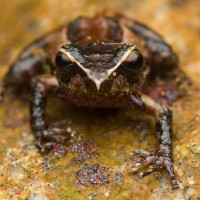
[(46, 140), (155, 161)]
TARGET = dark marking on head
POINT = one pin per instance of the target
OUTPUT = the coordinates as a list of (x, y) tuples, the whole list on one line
[(75, 31), (98, 29), (114, 31)]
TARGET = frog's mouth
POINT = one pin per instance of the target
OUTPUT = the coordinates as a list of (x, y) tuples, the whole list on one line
[(98, 75)]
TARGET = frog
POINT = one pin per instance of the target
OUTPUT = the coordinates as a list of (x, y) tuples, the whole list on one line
[(98, 62)]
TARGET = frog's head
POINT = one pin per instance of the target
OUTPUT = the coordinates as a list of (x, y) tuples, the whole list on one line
[(100, 68)]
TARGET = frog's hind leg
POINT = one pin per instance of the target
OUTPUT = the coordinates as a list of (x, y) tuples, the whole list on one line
[(159, 55), (163, 63), (30, 62)]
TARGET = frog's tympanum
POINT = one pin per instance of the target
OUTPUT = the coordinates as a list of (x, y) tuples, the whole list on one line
[(98, 62)]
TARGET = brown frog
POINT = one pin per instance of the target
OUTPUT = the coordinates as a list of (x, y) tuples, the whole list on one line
[(98, 62)]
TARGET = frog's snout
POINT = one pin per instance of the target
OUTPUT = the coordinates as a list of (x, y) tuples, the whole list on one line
[(98, 78)]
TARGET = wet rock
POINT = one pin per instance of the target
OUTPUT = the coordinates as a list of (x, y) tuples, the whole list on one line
[(25, 174), (92, 196), (17, 175), (35, 195), (93, 174), (59, 150), (84, 148), (118, 178)]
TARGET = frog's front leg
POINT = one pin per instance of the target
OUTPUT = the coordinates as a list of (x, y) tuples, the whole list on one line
[(46, 139), (161, 158)]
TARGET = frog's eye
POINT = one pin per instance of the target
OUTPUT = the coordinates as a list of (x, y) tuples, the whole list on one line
[(62, 60), (135, 60)]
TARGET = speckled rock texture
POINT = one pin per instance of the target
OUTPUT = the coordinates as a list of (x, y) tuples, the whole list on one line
[(97, 162)]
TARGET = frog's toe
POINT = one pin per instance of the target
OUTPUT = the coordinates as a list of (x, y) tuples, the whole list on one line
[(46, 140), (154, 161), (141, 159), (44, 147), (141, 153)]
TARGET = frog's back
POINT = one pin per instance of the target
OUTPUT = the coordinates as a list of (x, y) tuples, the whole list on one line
[(97, 29), (110, 29)]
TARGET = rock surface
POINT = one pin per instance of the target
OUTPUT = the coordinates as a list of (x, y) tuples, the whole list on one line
[(26, 174)]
